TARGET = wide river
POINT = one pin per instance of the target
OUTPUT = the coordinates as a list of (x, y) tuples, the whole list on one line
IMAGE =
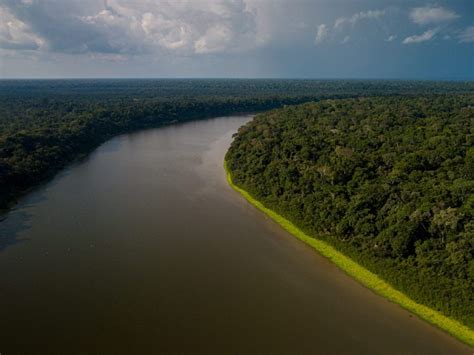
[(143, 247)]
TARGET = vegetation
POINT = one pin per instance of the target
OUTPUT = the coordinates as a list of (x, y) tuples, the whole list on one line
[(386, 181), (45, 124), (361, 274)]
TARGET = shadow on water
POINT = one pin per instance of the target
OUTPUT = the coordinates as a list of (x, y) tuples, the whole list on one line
[(11, 227), (17, 220)]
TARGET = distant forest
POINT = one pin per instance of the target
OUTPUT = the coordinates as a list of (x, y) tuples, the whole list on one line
[(46, 124), (389, 181)]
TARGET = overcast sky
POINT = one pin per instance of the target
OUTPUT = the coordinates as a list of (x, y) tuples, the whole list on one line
[(237, 38)]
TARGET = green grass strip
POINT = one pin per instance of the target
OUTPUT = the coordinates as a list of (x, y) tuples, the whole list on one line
[(364, 276)]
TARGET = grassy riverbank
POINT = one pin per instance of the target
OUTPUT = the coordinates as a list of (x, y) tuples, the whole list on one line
[(363, 275)]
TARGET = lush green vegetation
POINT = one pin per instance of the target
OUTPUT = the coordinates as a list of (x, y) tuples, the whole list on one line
[(45, 124), (361, 274), (386, 181)]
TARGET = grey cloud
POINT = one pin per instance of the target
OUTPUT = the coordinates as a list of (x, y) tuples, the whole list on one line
[(123, 27), (58, 25), (15, 34)]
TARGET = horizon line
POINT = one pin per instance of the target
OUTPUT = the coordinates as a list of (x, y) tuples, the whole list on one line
[(246, 78)]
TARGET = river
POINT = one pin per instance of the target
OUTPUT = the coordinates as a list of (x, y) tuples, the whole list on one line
[(143, 246)]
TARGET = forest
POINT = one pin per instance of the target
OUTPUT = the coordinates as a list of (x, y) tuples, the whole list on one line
[(46, 124), (388, 181)]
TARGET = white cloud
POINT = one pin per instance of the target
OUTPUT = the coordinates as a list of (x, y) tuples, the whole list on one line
[(215, 39), (359, 16), (321, 34), (432, 15), (339, 22), (136, 27), (467, 36), (426, 36), (121, 29), (15, 34)]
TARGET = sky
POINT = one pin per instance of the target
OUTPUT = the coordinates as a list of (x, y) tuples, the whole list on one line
[(402, 39)]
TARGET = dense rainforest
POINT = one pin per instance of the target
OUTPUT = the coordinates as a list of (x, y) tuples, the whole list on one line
[(45, 124), (388, 181)]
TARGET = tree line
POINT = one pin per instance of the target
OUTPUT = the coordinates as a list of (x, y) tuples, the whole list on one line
[(46, 124), (388, 181)]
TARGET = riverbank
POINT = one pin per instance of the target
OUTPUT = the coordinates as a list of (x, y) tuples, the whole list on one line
[(361, 274), (33, 151)]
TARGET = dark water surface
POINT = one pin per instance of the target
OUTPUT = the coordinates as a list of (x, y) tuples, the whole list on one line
[(143, 247)]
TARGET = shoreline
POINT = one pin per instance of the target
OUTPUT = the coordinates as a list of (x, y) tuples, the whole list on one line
[(361, 274), (12, 195)]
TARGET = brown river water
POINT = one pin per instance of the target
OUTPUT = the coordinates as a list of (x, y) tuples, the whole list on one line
[(144, 248)]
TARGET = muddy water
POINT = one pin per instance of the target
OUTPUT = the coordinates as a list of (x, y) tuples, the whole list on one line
[(144, 247)]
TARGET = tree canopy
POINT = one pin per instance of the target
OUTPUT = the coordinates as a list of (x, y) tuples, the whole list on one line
[(45, 124), (389, 181)]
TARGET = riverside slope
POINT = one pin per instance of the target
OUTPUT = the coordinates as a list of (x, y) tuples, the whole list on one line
[(364, 276)]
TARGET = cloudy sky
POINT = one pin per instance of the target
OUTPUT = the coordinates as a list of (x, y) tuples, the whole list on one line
[(237, 38)]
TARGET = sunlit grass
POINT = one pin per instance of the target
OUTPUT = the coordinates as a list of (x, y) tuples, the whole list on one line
[(363, 275)]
